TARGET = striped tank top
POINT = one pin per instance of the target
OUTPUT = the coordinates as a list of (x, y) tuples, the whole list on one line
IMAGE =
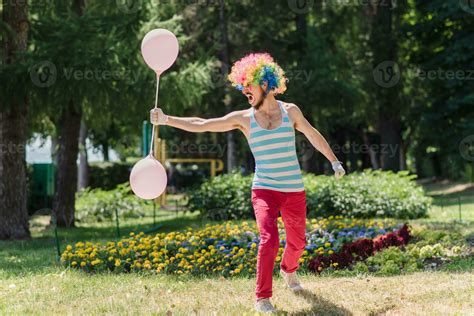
[(276, 164)]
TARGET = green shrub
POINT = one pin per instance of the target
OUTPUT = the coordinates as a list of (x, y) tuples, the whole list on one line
[(224, 197), (367, 194), (364, 194), (107, 175), (414, 257), (100, 205)]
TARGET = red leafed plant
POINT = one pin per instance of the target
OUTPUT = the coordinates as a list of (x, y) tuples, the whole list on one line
[(360, 250)]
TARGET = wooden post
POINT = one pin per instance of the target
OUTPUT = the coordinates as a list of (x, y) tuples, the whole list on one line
[(163, 161), (459, 203), (157, 153), (213, 168)]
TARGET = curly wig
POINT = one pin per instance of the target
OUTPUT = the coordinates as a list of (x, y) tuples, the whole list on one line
[(255, 69)]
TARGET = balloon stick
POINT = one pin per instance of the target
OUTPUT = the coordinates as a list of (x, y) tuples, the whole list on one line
[(156, 106)]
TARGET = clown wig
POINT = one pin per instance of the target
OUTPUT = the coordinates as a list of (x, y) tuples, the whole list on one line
[(255, 69)]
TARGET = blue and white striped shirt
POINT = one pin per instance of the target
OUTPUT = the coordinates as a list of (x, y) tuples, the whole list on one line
[(276, 164)]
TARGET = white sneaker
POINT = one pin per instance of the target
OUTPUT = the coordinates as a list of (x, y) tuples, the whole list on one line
[(291, 281), (264, 306)]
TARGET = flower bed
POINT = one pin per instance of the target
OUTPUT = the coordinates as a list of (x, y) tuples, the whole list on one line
[(226, 249), (360, 250)]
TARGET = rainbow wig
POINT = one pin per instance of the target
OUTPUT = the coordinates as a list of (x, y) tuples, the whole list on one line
[(255, 69)]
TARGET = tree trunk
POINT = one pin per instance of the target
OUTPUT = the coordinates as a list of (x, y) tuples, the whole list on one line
[(387, 93), (66, 180), (105, 150), (68, 129), (83, 176), (54, 150), (374, 161), (390, 138), (224, 58), (13, 120)]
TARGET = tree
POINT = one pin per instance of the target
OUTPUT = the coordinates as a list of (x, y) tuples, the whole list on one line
[(13, 125)]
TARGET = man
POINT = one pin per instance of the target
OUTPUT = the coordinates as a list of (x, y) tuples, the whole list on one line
[(269, 126)]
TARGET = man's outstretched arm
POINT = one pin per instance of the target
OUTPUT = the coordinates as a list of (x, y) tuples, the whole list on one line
[(316, 139), (196, 124)]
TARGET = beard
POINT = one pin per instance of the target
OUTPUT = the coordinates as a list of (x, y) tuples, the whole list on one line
[(260, 102)]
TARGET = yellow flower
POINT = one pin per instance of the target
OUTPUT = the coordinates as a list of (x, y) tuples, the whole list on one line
[(68, 247), (330, 251), (74, 263), (117, 262), (327, 244), (254, 245), (83, 264)]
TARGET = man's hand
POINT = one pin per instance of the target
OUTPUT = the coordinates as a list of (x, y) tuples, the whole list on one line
[(157, 117), (338, 169)]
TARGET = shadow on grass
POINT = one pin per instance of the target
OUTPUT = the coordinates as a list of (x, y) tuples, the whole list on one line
[(453, 226), (319, 305), (464, 197)]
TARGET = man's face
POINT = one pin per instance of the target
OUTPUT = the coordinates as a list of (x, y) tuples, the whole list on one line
[(255, 94)]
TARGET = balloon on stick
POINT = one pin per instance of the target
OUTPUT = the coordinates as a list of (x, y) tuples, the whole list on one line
[(148, 178), (160, 49)]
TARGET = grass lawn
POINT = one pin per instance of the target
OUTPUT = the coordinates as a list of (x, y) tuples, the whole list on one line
[(32, 283)]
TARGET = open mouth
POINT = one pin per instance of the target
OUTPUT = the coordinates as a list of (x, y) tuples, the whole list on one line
[(249, 97)]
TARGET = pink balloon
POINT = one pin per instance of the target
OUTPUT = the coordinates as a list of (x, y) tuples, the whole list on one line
[(160, 49), (148, 178)]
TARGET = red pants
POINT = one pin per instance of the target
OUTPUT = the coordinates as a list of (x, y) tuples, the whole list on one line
[(266, 204)]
